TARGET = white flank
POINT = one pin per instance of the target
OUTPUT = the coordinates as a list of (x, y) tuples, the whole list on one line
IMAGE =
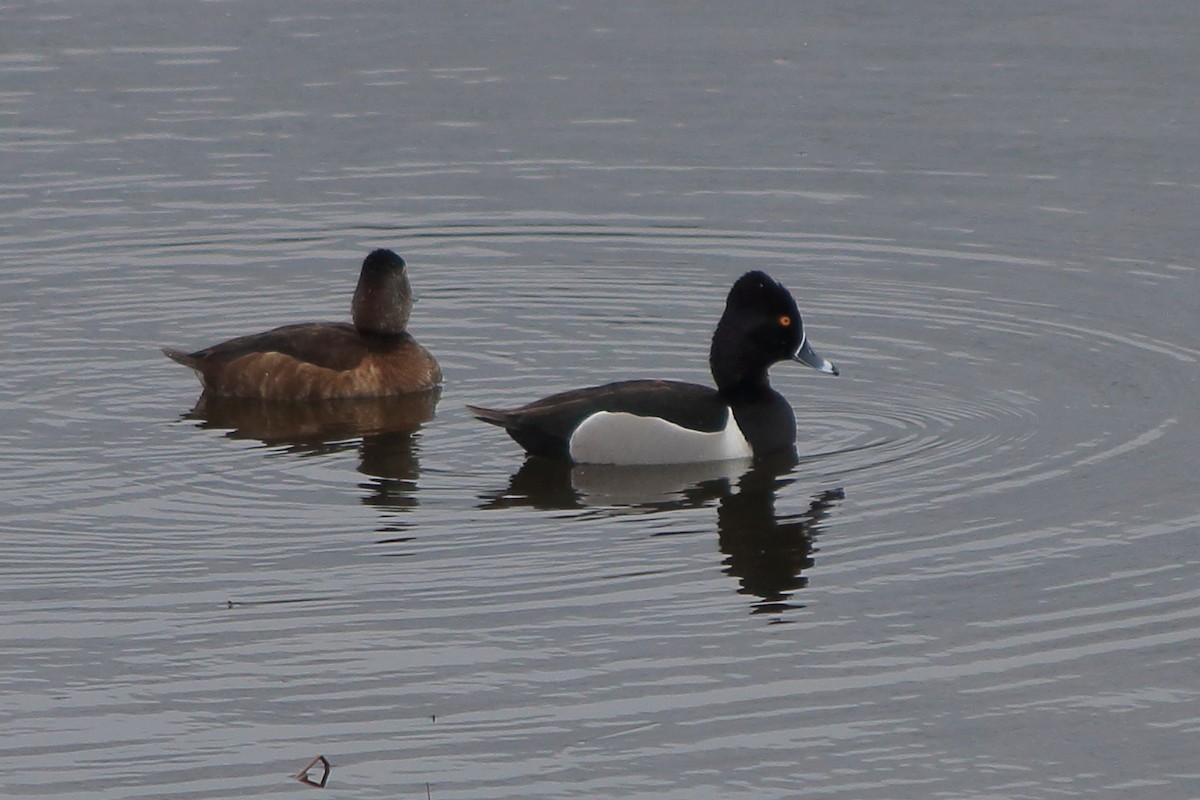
[(617, 438)]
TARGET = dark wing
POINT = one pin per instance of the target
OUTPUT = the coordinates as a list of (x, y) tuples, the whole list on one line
[(329, 345), (544, 427)]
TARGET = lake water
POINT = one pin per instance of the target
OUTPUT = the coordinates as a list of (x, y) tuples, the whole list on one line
[(979, 581)]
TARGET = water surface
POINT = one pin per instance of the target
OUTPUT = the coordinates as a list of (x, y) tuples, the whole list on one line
[(978, 580)]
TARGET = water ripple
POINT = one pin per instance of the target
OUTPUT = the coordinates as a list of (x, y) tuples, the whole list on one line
[(513, 626)]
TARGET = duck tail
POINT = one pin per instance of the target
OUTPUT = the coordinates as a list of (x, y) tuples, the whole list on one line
[(187, 359), (492, 415)]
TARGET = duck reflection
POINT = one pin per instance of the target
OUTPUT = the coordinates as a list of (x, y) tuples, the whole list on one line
[(766, 552), (382, 429), (550, 484)]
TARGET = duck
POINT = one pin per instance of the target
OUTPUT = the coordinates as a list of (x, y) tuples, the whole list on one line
[(372, 356), (672, 422)]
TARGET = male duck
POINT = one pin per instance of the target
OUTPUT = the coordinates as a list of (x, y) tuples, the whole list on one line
[(662, 422), (374, 357)]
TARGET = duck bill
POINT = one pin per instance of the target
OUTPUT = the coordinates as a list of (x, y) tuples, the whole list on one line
[(806, 355)]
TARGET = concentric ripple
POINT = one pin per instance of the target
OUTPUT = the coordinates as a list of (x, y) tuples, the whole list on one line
[(985, 507)]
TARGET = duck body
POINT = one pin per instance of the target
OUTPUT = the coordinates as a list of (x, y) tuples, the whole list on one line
[(648, 422), (662, 422), (313, 361), (373, 357)]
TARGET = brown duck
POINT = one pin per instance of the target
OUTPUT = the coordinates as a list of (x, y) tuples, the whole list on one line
[(373, 357)]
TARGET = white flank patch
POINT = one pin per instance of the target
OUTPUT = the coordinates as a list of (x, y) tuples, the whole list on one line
[(618, 438)]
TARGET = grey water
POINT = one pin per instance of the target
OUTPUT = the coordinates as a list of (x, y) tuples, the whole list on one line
[(978, 581)]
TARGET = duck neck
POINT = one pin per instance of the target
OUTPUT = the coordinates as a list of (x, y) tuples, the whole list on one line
[(738, 373), (382, 303), (764, 416)]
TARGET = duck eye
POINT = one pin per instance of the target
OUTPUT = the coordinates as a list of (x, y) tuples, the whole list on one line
[(785, 320)]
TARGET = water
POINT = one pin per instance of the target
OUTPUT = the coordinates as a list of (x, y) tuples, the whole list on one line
[(978, 581)]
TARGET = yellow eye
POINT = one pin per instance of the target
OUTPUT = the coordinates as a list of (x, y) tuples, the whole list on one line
[(785, 320)]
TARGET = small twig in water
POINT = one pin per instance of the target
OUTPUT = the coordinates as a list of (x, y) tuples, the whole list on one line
[(303, 775)]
